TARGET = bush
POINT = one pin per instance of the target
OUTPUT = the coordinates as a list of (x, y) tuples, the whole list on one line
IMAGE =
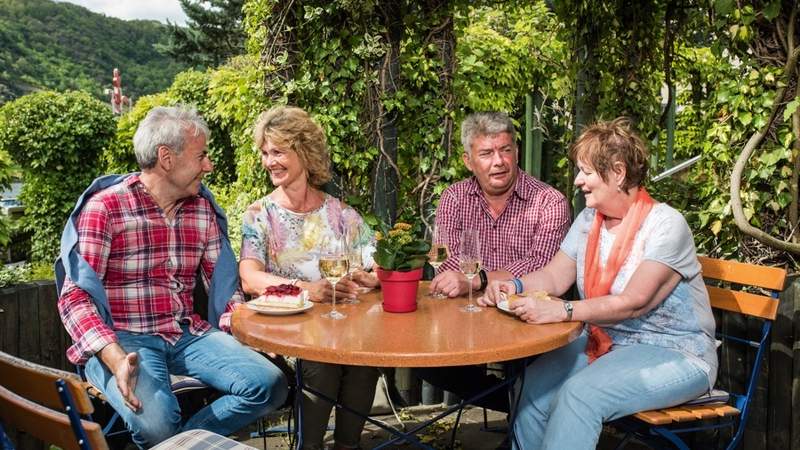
[(56, 139)]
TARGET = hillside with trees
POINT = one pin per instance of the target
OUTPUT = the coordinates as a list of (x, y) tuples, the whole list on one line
[(61, 46)]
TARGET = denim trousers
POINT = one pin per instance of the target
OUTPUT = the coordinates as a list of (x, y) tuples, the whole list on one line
[(250, 385), (353, 386), (565, 400)]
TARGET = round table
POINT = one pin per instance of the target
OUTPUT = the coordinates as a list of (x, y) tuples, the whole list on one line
[(437, 334)]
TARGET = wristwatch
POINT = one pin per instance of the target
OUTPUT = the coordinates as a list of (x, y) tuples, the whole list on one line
[(568, 309), (484, 279)]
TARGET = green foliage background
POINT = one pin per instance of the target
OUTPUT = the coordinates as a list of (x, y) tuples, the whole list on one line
[(503, 51), (56, 140)]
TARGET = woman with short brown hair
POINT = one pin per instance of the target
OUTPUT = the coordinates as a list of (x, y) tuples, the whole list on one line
[(650, 337)]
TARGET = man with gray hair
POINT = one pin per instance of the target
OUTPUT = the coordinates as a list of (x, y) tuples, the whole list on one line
[(130, 255), (520, 222)]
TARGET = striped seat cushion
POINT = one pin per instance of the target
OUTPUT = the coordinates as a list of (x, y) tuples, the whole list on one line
[(200, 440)]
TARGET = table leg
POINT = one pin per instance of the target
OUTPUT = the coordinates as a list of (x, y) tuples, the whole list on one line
[(298, 403), (408, 436)]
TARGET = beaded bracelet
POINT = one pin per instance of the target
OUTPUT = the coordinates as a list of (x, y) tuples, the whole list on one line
[(517, 285)]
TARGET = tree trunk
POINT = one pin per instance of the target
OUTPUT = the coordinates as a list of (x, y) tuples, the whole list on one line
[(386, 178)]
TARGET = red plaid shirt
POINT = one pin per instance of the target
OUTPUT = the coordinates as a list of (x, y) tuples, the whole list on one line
[(147, 266), (524, 238)]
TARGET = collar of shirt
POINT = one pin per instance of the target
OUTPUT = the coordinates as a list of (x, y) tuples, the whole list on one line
[(135, 183)]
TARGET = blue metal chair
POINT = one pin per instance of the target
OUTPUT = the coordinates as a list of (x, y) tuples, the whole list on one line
[(719, 409)]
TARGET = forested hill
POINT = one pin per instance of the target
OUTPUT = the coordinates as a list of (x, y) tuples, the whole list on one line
[(49, 45)]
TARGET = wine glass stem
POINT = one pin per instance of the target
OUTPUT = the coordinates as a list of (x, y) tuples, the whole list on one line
[(470, 292), (333, 303)]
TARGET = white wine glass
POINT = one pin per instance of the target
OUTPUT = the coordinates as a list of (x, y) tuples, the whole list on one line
[(470, 262), (439, 253), (333, 264), (355, 263)]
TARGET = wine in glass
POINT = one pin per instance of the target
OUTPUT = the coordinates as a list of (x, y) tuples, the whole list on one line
[(470, 262), (333, 263), (355, 263), (439, 253)]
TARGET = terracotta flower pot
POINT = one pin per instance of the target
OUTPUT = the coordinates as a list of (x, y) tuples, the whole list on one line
[(399, 289)]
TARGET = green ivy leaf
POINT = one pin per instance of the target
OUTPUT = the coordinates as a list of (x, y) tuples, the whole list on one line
[(772, 10), (791, 107)]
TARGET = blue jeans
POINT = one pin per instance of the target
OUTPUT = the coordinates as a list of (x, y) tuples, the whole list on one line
[(250, 384), (565, 400)]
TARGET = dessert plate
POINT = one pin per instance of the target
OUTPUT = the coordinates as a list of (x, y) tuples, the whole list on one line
[(275, 311), (502, 305)]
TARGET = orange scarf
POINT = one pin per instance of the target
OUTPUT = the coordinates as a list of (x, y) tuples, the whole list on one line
[(597, 279)]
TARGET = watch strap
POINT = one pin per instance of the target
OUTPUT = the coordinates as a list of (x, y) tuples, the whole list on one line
[(568, 309), (484, 279)]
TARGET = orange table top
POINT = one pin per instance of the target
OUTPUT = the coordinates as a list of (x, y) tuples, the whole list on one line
[(438, 333)]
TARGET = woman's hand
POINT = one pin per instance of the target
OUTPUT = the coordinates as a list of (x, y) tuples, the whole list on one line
[(318, 291), (496, 291), (345, 288), (366, 279), (322, 290), (534, 310)]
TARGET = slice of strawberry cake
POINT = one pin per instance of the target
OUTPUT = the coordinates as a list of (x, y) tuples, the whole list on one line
[(281, 296)]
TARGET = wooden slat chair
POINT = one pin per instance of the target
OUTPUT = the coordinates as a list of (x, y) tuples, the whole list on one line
[(719, 409), (48, 404)]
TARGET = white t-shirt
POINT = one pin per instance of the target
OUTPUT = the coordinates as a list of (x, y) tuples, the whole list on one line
[(683, 321)]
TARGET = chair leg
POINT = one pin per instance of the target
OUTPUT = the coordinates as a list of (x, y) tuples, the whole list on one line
[(673, 438), (5, 442), (455, 425), (624, 441)]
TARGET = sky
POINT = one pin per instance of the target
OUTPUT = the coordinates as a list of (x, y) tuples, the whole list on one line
[(160, 10)]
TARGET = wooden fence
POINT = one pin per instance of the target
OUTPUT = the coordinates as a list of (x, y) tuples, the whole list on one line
[(30, 328)]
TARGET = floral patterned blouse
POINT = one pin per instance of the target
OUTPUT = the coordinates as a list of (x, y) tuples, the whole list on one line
[(289, 243)]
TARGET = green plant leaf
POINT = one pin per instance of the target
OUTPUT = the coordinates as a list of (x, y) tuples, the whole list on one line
[(791, 107), (772, 10)]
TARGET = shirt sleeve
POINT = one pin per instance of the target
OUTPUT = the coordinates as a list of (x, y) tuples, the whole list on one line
[(552, 227), (207, 264), (671, 242), (254, 239), (448, 219), (577, 235), (78, 312)]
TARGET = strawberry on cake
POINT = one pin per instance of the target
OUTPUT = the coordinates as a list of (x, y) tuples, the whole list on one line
[(281, 296)]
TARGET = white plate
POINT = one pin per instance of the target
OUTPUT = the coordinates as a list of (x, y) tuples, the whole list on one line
[(273, 311), (280, 311), (502, 305)]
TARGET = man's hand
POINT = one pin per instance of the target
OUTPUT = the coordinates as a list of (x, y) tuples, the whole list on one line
[(125, 368), (452, 283)]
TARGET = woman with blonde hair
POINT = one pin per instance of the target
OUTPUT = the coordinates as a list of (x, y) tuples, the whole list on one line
[(282, 235), (649, 342)]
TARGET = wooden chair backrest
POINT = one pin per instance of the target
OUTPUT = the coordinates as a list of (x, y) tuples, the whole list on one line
[(37, 382), (45, 424), (29, 402), (763, 306)]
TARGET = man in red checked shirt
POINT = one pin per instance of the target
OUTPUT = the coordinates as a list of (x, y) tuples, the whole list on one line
[(140, 242), (520, 221)]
